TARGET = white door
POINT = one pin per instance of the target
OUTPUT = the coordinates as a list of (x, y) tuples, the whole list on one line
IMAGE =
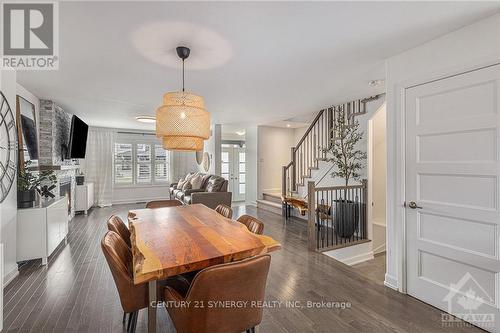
[(452, 196), (233, 169)]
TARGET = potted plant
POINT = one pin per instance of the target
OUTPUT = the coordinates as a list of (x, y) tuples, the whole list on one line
[(28, 182), (348, 161)]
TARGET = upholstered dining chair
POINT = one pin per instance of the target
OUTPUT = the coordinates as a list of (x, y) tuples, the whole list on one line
[(253, 224), (240, 281), (163, 203), (224, 210), (132, 297), (117, 225)]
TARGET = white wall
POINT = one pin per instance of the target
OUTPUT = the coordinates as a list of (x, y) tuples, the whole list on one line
[(8, 208), (251, 142), (273, 151), (465, 49), (298, 133), (377, 159)]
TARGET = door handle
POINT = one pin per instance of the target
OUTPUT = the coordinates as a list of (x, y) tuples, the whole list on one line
[(413, 205)]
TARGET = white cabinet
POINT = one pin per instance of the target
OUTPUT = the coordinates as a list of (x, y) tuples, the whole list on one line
[(41, 229), (84, 197)]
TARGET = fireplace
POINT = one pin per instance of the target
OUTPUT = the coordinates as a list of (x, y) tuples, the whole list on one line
[(65, 191)]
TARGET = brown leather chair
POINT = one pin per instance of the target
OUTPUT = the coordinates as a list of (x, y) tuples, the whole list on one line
[(132, 297), (237, 281), (163, 203), (254, 225), (224, 210), (117, 225)]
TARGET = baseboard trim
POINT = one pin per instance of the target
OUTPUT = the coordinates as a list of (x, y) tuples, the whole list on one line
[(10, 276), (358, 259), (379, 249), (352, 255), (391, 282)]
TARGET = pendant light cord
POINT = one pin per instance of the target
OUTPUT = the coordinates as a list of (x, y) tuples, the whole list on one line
[(182, 75)]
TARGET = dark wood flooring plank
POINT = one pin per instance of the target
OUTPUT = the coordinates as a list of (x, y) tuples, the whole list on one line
[(76, 292)]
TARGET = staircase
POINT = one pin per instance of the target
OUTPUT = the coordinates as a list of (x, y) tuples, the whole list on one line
[(310, 150), (271, 201), (336, 215)]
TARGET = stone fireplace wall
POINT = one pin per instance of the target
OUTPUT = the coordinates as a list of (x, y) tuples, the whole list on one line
[(55, 127)]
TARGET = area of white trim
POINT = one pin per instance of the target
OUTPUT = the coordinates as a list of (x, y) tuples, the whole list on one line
[(10, 276), (391, 282), (353, 254), (379, 249)]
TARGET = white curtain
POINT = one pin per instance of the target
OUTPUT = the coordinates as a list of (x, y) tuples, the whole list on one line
[(99, 165)]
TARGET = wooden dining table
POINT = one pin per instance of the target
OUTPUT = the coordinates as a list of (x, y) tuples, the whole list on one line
[(175, 240)]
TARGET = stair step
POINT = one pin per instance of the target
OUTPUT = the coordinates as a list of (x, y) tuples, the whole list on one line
[(270, 206), (272, 196)]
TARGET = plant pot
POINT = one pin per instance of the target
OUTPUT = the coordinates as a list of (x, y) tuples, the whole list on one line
[(25, 199), (346, 218)]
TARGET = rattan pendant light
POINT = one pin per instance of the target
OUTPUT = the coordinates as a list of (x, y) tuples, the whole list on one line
[(182, 120)]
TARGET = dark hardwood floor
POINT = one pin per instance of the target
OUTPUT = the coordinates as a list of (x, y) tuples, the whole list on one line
[(373, 269), (76, 292)]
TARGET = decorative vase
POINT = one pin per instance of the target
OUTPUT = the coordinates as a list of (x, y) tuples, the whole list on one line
[(346, 218), (25, 199)]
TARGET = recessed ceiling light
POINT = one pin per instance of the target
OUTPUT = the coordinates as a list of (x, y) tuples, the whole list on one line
[(374, 83), (146, 119), (288, 125), (240, 133)]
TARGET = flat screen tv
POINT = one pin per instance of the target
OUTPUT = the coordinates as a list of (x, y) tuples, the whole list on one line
[(77, 138)]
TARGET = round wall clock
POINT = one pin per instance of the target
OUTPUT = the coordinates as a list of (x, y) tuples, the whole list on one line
[(8, 148)]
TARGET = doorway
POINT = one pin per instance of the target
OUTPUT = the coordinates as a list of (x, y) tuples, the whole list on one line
[(233, 168), (451, 191), (377, 171)]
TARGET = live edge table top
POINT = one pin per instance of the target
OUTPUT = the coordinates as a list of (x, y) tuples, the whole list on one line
[(175, 240)]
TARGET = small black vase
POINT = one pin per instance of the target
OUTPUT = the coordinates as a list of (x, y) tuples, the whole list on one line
[(25, 199)]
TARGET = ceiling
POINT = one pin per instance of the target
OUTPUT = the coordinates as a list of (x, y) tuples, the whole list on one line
[(254, 62)]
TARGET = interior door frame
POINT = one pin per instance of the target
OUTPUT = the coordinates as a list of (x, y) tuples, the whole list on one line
[(396, 162)]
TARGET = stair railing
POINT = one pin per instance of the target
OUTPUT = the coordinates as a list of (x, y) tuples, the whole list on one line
[(337, 216), (317, 138)]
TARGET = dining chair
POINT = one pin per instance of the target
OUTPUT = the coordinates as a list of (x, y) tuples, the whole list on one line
[(163, 203), (224, 210), (132, 297), (117, 225), (240, 281), (253, 224)]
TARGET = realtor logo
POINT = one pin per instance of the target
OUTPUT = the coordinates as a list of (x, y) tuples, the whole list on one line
[(468, 300), (30, 36)]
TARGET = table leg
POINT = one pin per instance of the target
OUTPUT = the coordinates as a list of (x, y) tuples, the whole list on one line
[(151, 308)]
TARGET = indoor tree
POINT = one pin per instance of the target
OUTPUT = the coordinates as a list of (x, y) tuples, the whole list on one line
[(343, 151)]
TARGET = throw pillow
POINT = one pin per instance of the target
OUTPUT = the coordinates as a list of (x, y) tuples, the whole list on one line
[(187, 186), (206, 177), (196, 182), (180, 183), (189, 176), (215, 184)]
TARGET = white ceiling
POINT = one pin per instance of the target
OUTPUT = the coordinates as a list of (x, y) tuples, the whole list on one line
[(259, 62)]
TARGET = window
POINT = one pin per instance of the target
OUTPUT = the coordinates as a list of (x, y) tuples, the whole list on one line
[(143, 162), (140, 163), (123, 163), (161, 164)]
